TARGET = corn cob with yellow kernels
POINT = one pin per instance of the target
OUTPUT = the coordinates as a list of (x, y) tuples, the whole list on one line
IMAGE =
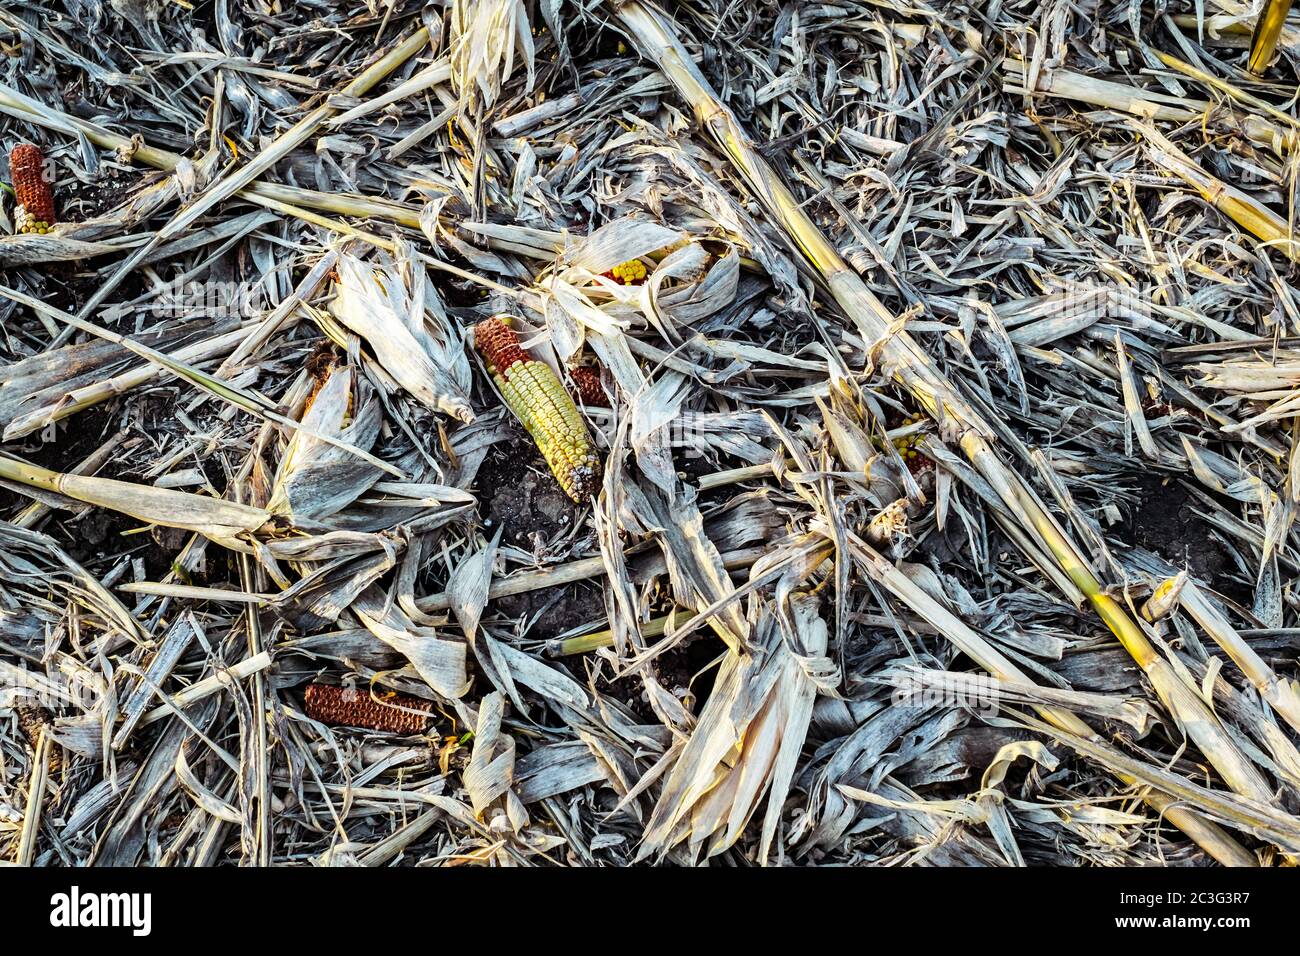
[(908, 446), (31, 189), (632, 272), (538, 399)]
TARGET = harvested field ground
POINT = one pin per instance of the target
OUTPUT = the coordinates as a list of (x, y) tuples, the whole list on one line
[(512, 433)]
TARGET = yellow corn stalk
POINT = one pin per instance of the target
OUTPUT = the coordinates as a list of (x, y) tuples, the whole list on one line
[(1264, 43)]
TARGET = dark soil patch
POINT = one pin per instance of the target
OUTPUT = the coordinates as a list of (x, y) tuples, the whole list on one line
[(1164, 520), (99, 536), (558, 609), (629, 691), (77, 201), (73, 289), (77, 436), (691, 468), (685, 671), (517, 491), (687, 668), (459, 295)]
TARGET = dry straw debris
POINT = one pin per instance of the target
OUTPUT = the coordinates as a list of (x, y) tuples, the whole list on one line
[(892, 456)]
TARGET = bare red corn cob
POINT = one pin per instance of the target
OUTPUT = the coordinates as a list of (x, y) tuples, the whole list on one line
[(31, 188), (586, 386), (347, 706), (534, 393)]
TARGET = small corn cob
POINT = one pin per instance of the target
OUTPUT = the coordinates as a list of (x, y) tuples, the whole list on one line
[(586, 386), (32, 189), (320, 366), (347, 706), (631, 272), (535, 394), (907, 448), (33, 719)]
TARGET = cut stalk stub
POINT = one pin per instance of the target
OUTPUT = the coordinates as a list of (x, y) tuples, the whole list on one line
[(1267, 32), (534, 393), (35, 213)]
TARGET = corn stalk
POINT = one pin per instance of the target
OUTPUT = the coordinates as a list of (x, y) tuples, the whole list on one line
[(1243, 209), (214, 517), (1223, 86), (231, 183), (912, 369), (1267, 31), (1282, 695), (36, 787), (1152, 105)]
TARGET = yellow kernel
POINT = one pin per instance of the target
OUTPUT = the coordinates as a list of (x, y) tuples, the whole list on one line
[(629, 272)]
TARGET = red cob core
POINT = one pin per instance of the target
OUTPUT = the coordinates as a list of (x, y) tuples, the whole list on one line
[(587, 387), (500, 345), (348, 706), (27, 170)]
